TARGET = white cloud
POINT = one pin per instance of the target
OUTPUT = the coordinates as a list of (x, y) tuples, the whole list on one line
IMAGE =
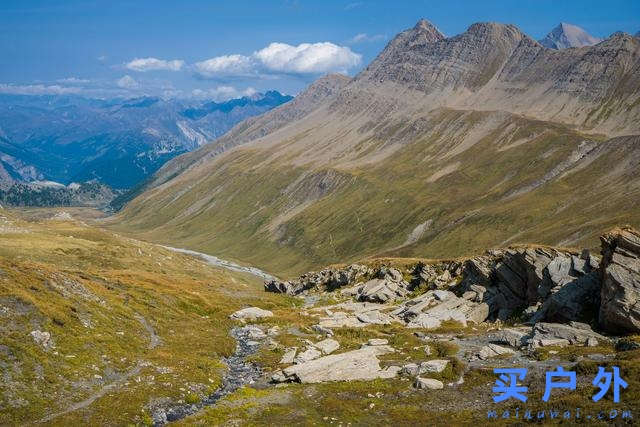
[(153, 64), (307, 58), (365, 38), (127, 82), (73, 80), (226, 65), (354, 5), (222, 93), (37, 89), (282, 58)]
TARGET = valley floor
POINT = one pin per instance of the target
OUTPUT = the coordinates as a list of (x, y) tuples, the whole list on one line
[(101, 329)]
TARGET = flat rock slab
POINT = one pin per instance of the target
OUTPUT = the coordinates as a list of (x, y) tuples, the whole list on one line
[(251, 313), (327, 346), (493, 350), (307, 355), (362, 364)]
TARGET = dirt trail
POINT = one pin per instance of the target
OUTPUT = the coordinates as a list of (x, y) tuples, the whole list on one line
[(154, 341)]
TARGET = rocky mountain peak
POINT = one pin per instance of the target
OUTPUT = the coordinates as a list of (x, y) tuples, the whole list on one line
[(426, 28), (483, 35), (423, 33), (567, 35)]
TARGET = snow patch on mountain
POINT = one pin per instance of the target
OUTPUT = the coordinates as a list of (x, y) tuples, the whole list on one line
[(567, 35)]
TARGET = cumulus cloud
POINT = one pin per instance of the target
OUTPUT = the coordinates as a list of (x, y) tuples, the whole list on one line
[(127, 82), (225, 65), (282, 58), (154, 64), (365, 38), (222, 93), (307, 58), (38, 89)]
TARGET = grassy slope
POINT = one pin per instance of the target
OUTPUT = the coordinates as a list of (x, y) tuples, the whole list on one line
[(56, 275), (228, 208)]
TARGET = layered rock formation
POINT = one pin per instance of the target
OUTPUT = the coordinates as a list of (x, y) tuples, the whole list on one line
[(620, 273), (530, 284)]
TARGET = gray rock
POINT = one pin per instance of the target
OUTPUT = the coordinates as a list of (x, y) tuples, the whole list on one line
[(620, 294), (546, 334), (493, 350), (307, 355), (591, 342), (478, 313), (513, 337), (436, 365), (255, 333), (288, 356), (374, 317), (381, 290), (425, 321), (251, 313), (411, 369), (42, 338), (327, 346), (428, 384), (362, 364), (377, 341)]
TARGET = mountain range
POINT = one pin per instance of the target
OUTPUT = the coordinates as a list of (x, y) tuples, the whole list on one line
[(439, 147), (116, 142)]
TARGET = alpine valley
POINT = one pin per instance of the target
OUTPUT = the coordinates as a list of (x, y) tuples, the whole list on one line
[(440, 147), (366, 253)]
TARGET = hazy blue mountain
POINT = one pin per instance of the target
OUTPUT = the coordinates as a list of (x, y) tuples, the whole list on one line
[(117, 142)]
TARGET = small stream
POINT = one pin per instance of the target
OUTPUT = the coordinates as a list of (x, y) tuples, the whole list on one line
[(217, 262), (240, 373)]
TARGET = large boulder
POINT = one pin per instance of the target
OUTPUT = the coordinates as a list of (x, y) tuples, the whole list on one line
[(251, 313), (620, 293), (362, 364)]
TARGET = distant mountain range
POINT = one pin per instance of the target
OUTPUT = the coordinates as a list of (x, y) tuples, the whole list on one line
[(566, 35), (117, 142), (441, 145)]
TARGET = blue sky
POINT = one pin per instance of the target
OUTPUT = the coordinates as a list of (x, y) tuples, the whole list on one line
[(221, 49)]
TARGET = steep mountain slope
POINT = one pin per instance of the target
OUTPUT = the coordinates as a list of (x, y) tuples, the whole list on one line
[(440, 147), (566, 35)]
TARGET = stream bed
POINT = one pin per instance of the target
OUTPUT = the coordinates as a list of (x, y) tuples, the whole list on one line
[(240, 373)]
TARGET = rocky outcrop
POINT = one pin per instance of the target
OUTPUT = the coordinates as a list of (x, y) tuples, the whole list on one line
[(543, 283), (536, 285), (620, 293), (328, 280)]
